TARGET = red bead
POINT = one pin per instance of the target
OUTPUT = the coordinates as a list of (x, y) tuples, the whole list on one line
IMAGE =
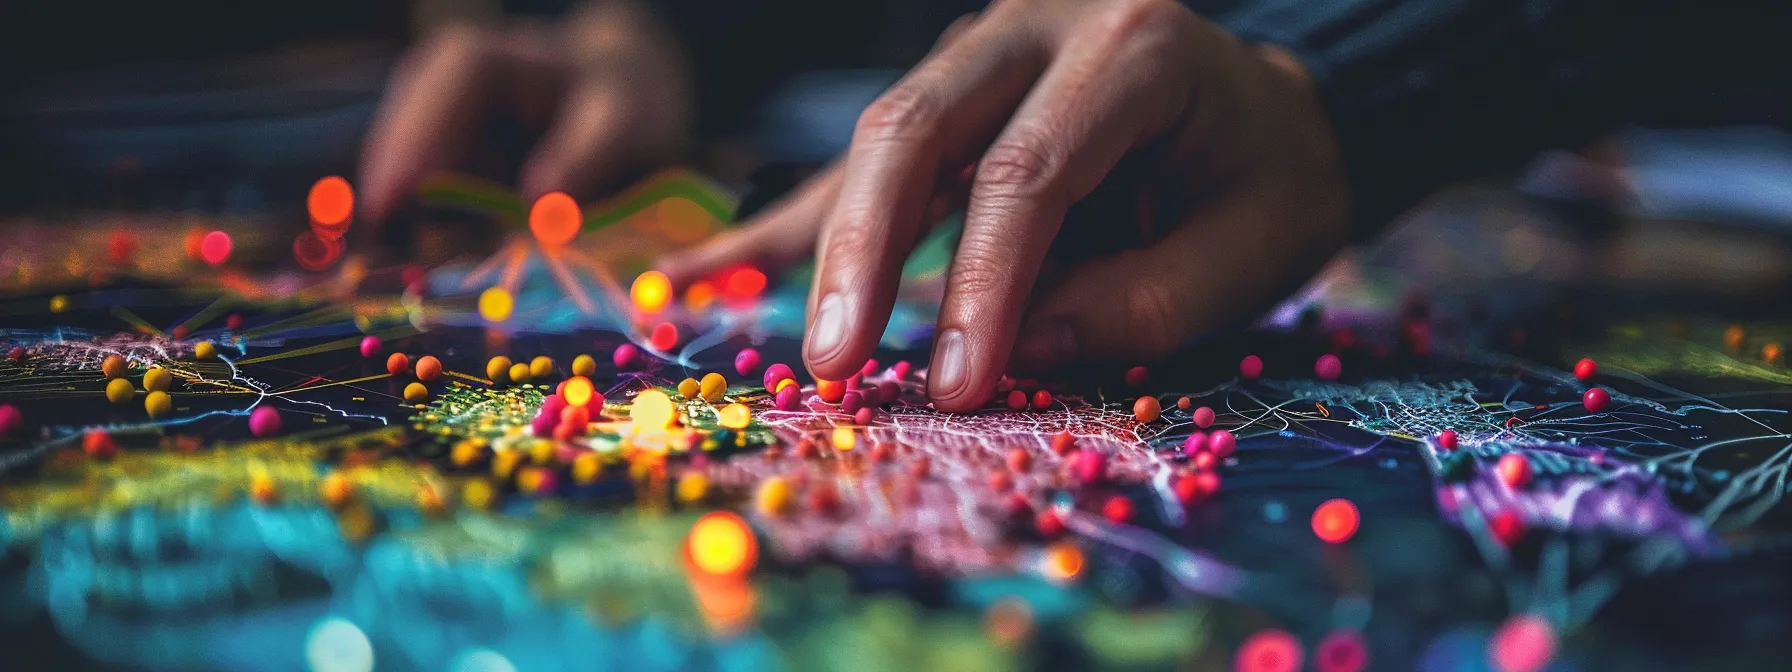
[(831, 391), (1019, 460), (1204, 461), (1514, 470), (804, 449), (1017, 400), (1138, 376), (1207, 483), (863, 417), (1596, 400), (1204, 417), (1042, 400), (1447, 439), (1187, 489), (1049, 524), (625, 356), (98, 445), (1063, 442), (1328, 367), (1250, 367), (1341, 651), (1000, 481), (664, 337), (1118, 509), (1585, 369), (1507, 526), (746, 361), (16, 353)]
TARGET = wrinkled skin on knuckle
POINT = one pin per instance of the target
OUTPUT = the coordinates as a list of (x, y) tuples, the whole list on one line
[(903, 114)]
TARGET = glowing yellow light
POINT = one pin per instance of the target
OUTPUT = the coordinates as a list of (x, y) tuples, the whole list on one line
[(58, 303), (495, 304), (699, 295), (693, 487), (651, 292), (586, 468), (578, 391), (774, 496), (845, 438), (721, 543), (652, 411), (734, 416), (1063, 562)]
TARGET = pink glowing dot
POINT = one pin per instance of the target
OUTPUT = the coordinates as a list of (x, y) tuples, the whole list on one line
[(1268, 651), (1328, 367), (1250, 367), (1524, 643), (625, 356), (215, 247), (370, 347), (1203, 417), (10, 419), (264, 421), (1341, 651)]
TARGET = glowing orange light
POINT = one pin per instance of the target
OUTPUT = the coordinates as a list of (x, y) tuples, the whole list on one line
[(664, 337), (1063, 562), (315, 252), (578, 391), (330, 203), (555, 218), (699, 295), (746, 281), (722, 544), (215, 247), (651, 292), (1335, 521), (734, 416)]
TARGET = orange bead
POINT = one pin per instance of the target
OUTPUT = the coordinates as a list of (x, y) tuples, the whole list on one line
[(398, 364), (1147, 409), (428, 368)]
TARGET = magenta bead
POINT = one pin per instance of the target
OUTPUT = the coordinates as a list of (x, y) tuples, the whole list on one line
[(370, 347), (1195, 443), (544, 424), (10, 419), (870, 368), (888, 392), (1447, 439), (1328, 367), (552, 405), (852, 402), (1222, 442), (264, 421), (1203, 417), (901, 369), (1089, 466), (625, 356), (1596, 400), (1250, 367), (788, 399), (776, 372), (746, 361)]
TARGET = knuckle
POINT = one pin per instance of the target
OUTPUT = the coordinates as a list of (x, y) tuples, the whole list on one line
[(978, 269), (461, 39), (852, 243), (1147, 23), (903, 113), (1017, 165)]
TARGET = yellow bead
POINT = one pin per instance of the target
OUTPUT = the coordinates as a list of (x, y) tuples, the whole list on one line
[(504, 463), (541, 452), (158, 404), (693, 488), (734, 416), (688, 388), (584, 365), (713, 387), (498, 369), (773, 497), (157, 379), (479, 494), (652, 411), (495, 304), (541, 367), (416, 393), (519, 373), (119, 391), (786, 382), (205, 350), (112, 366), (587, 468), (467, 453)]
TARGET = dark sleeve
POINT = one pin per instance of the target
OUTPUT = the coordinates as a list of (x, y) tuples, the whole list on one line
[(1426, 92)]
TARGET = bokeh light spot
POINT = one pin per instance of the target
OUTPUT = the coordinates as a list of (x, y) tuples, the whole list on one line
[(1063, 562), (336, 645), (314, 252), (215, 247), (555, 218), (495, 304), (651, 292), (664, 337), (1336, 521), (734, 416), (1268, 651), (746, 282), (722, 544), (330, 204), (578, 391), (652, 411), (699, 295), (1524, 643)]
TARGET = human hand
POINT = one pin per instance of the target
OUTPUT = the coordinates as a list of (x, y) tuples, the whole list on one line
[(608, 86), (1045, 97)]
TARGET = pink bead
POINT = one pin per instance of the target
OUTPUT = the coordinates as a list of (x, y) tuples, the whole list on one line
[(862, 417), (852, 402), (1195, 443), (625, 356), (543, 425), (746, 361), (264, 421), (788, 399), (370, 347), (10, 419), (1089, 466), (1203, 417), (901, 369), (777, 372), (870, 368), (1328, 367), (552, 405), (1447, 439), (1596, 400), (1250, 367), (1222, 443)]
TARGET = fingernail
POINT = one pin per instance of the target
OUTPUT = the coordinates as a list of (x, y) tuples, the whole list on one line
[(827, 334), (950, 372), (1045, 345)]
